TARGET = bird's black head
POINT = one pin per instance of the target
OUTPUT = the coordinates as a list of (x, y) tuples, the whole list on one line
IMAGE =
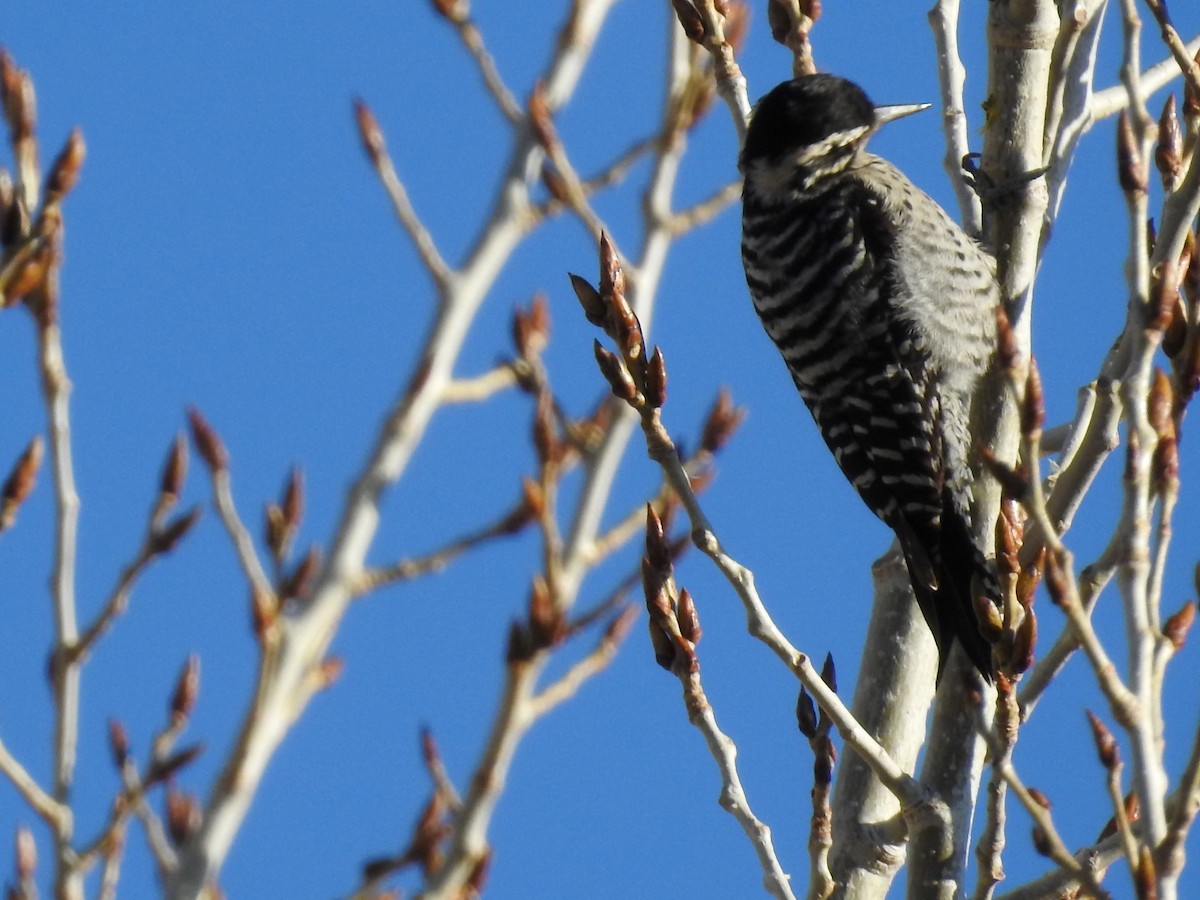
[(817, 113)]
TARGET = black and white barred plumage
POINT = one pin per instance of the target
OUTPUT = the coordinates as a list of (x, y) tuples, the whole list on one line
[(884, 311)]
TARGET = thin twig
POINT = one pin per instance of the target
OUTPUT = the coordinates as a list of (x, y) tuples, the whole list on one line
[(407, 569), (56, 388), (612, 174), (57, 815), (733, 797), (481, 387), (990, 849), (1053, 845), (707, 209), (472, 39), (1092, 582), (1181, 52), (1110, 101), (243, 543), (573, 679), (1170, 852), (372, 135), (1149, 777), (952, 77), (118, 600)]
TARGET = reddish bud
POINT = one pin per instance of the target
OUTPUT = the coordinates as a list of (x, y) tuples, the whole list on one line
[(689, 619), (1009, 536), (183, 815), (686, 662), (1177, 626), (533, 498), (1164, 297), (1145, 880), (1189, 264), (701, 481), (118, 742), (64, 171), (1131, 169), (16, 93), (20, 482), (1006, 340), (540, 120), (531, 328), (187, 687), (1133, 812), (689, 18), (546, 624), (263, 611), (545, 437), (657, 552), (297, 585), (520, 647), (429, 748), (1106, 744), (453, 10), (1029, 579), (1191, 99), (1188, 371), (28, 270), (591, 301), (1024, 644), (369, 132), (555, 184), (1160, 403), (208, 443), (165, 539), (987, 617), (664, 647), (1176, 331), (627, 330), (1033, 409), (779, 18), (161, 770), (174, 471), (656, 380), (293, 499), (1041, 842), (330, 671), (826, 757), (618, 377), (1133, 450), (1168, 154), (1164, 464), (829, 673), (1057, 584), (26, 853), (612, 277), (428, 833), (722, 421), (806, 715)]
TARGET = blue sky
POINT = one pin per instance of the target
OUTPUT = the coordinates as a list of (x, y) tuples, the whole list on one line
[(229, 247)]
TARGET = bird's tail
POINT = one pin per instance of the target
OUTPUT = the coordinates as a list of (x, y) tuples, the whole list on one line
[(959, 568)]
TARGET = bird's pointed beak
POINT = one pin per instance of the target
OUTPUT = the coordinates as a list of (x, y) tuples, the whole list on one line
[(885, 114)]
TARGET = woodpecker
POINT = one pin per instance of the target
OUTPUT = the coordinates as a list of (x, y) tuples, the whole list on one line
[(884, 311)]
